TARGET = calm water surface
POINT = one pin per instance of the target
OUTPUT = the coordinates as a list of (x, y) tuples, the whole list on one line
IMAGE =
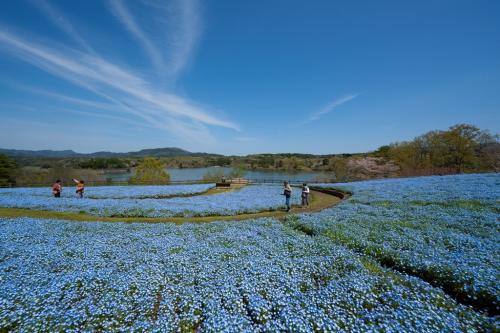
[(198, 173)]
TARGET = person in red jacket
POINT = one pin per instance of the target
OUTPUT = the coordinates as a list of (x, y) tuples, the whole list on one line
[(57, 189)]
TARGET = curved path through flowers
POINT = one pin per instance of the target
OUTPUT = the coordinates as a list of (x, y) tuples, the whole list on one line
[(320, 199)]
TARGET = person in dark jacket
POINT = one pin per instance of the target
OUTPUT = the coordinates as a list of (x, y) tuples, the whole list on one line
[(305, 195), (287, 192)]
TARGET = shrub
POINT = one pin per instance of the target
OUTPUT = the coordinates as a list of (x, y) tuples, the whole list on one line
[(7, 168), (213, 175), (150, 171), (237, 172)]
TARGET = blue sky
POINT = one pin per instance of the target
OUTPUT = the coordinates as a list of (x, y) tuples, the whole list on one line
[(240, 77)]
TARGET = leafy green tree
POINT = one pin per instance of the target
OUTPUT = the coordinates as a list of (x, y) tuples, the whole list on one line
[(339, 167), (265, 161), (461, 148), (103, 163), (462, 141), (150, 171), (222, 161), (237, 172), (383, 151), (488, 151), (292, 164), (404, 154), (7, 170), (435, 150)]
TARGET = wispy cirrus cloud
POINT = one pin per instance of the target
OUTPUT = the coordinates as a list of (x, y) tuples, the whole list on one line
[(61, 97), (122, 87), (120, 10), (59, 19), (332, 106), (176, 25), (74, 105), (185, 35)]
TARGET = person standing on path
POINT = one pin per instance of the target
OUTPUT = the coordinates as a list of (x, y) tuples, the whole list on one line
[(57, 189), (305, 195), (287, 192)]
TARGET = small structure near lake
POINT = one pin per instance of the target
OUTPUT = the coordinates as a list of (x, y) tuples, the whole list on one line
[(227, 183)]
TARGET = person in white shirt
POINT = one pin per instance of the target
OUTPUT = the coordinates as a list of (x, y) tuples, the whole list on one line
[(305, 195)]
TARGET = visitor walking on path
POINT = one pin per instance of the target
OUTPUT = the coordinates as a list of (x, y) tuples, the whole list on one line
[(287, 192), (305, 195), (57, 189), (80, 187)]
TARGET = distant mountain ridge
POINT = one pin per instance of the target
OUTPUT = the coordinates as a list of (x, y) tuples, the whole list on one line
[(155, 152)]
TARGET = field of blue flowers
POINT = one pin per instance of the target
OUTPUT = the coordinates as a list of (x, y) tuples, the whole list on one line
[(137, 201), (112, 192), (255, 275), (442, 229), (404, 255)]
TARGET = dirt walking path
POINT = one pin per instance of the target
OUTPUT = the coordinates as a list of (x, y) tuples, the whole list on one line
[(319, 200)]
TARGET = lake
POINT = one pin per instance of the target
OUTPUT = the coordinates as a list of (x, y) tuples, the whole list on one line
[(189, 174)]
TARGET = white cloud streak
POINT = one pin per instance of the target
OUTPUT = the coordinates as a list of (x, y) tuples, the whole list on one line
[(64, 98), (177, 29), (332, 105), (186, 35), (91, 107), (58, 19), (119, 9), (132, 93)]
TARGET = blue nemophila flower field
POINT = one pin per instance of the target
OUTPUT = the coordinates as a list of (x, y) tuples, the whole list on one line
[(113, 192), (398, 256), (248, 276), (249, 199), (442, 229)]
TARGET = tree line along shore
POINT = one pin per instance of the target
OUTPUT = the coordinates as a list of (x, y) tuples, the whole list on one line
[(462, 148)]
